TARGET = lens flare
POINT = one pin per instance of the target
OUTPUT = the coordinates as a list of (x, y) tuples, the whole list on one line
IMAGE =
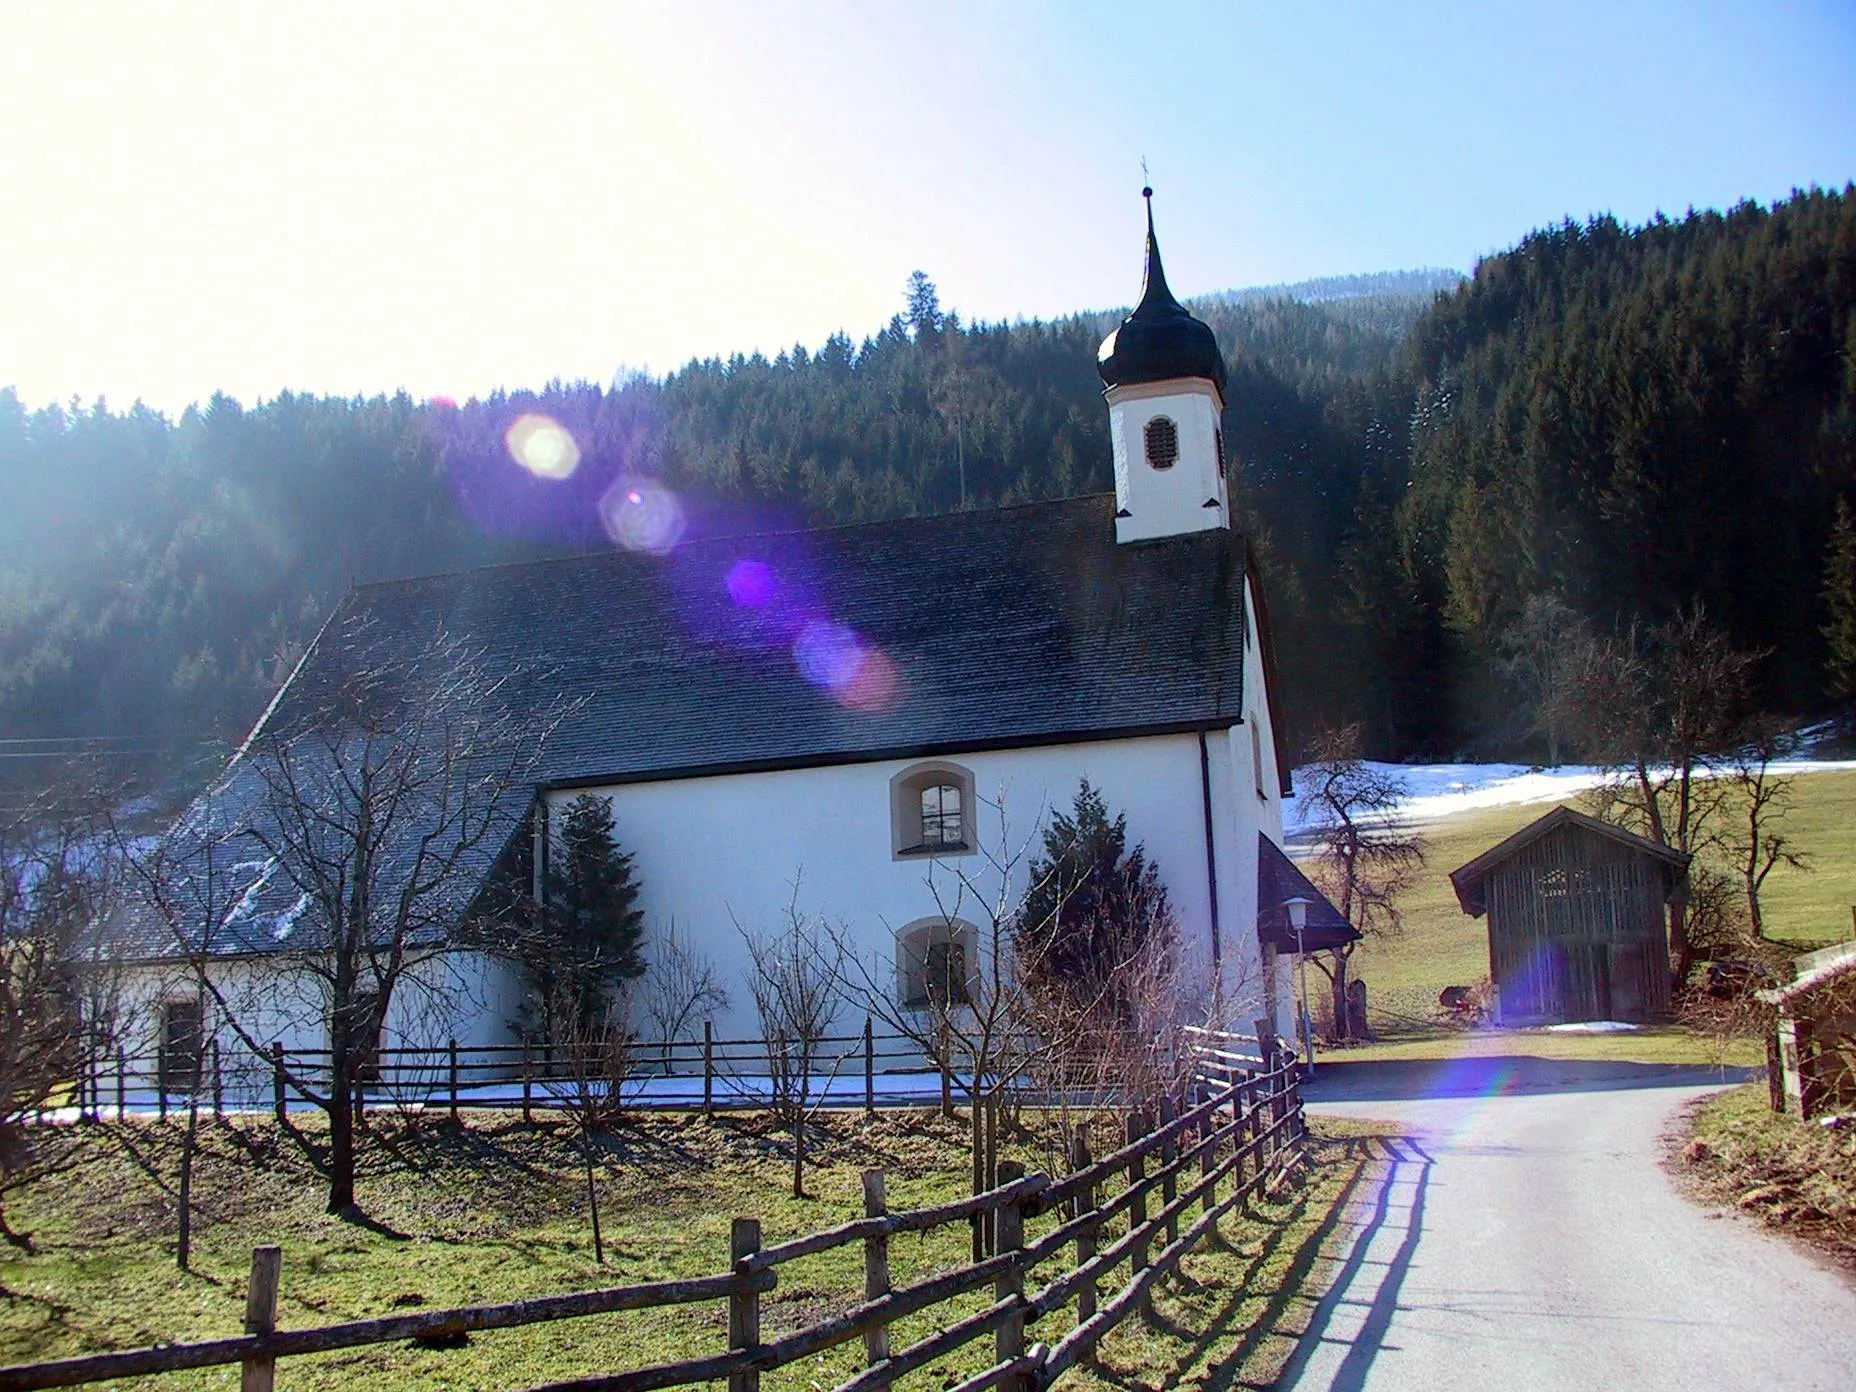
[(875, 687), (828, 654), (642, 515), (751, 583), (543, 446)]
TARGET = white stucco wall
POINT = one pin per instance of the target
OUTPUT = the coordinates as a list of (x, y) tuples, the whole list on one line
[(1167, 502), (467, 996), (714, 851), (1260, 790)]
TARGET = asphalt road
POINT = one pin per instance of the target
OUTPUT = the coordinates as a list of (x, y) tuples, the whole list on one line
[(1525, 1237)]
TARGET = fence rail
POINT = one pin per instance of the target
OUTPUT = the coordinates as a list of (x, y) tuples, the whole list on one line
[(1234, 1134), (874, 1067)]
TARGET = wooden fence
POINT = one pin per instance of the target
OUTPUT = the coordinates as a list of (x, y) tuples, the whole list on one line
[(874, 1067), (1098, 1238)]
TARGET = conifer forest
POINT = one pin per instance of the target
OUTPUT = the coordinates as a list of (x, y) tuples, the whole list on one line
[(1629, 420)]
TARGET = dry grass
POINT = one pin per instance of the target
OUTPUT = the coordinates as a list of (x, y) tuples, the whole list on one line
[(1798, 1177)]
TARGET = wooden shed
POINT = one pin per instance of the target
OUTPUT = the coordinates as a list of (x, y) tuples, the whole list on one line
[(1576, 920)]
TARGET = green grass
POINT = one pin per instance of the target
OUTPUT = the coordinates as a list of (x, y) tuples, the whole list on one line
[(1796, 1176), (496, 1212), (1442, 946), (1672, 1044)]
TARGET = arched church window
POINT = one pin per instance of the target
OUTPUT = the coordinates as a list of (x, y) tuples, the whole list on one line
[(935, 963), (1162, 437), (931, 811)]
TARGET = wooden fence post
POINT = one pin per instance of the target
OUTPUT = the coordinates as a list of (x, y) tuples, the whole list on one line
[(744, 1305), (451, 1047), (876, 1267), (219, 1085), (528, 1085), (122, 1085), (869, 1068), (277, 1079), (708, 1067), (1085, 1238), (1266, 1047), (259, 1372), (1169, 1158), (1137, 1210), (1009, 1236)]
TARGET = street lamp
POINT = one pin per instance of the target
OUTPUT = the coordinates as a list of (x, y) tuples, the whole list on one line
[(1298, 920)]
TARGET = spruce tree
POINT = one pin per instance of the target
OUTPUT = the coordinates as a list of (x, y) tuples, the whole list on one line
[(1840, 603), (591, 944), (1094, 906)]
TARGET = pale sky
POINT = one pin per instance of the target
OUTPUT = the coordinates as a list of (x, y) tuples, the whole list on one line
[(356, 198)]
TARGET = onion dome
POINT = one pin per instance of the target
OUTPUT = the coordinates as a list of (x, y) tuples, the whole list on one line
[(1159, 341)]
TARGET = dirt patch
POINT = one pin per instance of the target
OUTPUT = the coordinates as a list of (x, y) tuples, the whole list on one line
[(1796, 1177)]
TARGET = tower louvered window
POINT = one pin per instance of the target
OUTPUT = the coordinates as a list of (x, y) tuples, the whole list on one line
[(1162, 437)]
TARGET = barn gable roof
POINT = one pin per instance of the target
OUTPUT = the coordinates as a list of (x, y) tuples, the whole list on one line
[(1468, 879)]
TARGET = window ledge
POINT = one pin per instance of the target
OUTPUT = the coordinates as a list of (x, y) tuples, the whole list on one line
[(924, 850)]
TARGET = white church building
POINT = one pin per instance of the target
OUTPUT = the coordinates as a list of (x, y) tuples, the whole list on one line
[(880, 711)]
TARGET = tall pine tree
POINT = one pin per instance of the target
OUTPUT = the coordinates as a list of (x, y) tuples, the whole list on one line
[(1840, 603)]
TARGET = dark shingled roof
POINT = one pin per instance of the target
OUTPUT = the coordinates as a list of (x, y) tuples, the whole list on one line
[(1279, 880), (1021, 625)]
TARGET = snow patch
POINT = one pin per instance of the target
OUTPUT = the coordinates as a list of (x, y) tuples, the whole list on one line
[(1443, 790), (285, 924), (248, 901), (1595, 1027)]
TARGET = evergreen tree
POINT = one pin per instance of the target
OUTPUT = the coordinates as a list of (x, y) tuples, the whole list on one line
[(590, 940), (1095, 906), (1840, 603)]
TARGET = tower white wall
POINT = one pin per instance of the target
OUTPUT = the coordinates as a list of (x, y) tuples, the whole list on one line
[(1167, 502)]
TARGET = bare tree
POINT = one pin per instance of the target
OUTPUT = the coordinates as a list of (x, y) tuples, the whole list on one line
[(371, 804), (1757, 844), (1664, 707), (1545, 658), (1366, 857), (976, 989), (957, 989), (593, 1091), (60, 1011), (793, 977), (679, 990)]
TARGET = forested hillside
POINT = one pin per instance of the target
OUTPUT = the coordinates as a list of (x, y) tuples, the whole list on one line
[(1627, 418)]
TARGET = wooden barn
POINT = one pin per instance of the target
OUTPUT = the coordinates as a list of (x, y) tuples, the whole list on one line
[(1576, 920)]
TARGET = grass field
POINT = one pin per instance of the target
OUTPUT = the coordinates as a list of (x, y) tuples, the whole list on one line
[(1442, 946), (496, 1211)]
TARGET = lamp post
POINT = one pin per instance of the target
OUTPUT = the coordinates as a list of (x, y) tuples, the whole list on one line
[(1298, 919)]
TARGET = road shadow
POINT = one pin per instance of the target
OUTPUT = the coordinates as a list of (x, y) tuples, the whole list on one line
[(1377, 1080), (1349, 1324)]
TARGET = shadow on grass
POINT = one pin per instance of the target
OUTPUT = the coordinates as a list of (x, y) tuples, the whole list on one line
[(1228, 1319)]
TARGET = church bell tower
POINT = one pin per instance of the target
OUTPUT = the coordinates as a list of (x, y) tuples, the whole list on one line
[(1164, 379)]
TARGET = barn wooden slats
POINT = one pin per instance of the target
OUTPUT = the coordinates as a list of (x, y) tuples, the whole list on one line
[(1576, 930)]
